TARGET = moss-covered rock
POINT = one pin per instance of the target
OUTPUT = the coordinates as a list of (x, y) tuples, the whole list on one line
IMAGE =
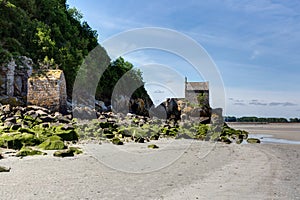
[(108, 133), (117, 141), (11, 140), (152, 146), (15, 127), (3, 129), (67, 135), (41, 134), (4, 169), (26, 130), (13, 101), (27, 151), (63, 153), (71, 151), (76, 150), (225, 139), (52, 143), (16, 140), (253, 140), (154, 136)]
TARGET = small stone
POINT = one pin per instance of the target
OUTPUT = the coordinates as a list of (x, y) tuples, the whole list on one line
[(64, 153), (68, 152), (4, 169), (152, 146), (253, 140)]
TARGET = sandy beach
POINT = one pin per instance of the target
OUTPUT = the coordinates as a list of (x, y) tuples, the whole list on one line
[(183, 169)]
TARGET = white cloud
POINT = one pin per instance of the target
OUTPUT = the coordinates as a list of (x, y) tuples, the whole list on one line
[(262, 103)]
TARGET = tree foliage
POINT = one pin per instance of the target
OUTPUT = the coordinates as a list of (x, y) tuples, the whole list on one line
[(48, 32), (128, 77)]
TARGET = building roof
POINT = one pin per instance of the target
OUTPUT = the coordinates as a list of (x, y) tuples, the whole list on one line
[(197, 86)]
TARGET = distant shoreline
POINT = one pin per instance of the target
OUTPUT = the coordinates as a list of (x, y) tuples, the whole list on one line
[(263, 123)]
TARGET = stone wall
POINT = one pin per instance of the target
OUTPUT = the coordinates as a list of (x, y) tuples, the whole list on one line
[(48, 89), (194, 89), (192, 96)]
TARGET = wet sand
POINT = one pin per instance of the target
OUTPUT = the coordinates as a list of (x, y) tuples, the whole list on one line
[(177, 170), (288, 131)]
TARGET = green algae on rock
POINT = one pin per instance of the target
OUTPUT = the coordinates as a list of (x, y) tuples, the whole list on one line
[(152, 146), (4, 169), (71, 151), (28, 151), (253, 140), (52, 143), (117, 141)]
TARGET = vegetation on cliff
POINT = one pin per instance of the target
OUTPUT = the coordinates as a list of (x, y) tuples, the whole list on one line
[(54, 36), (48, 32)]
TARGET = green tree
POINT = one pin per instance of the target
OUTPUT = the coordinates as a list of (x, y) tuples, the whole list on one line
[(115, 71)]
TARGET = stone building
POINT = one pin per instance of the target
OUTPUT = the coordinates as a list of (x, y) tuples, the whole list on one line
[(194, 89), (48, 89)]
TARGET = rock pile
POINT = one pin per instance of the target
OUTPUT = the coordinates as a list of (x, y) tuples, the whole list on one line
[(118, 129), (32, 129), (33, 126)]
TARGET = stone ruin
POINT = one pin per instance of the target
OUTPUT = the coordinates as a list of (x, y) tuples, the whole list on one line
[(19, 85), (13, 80), (48, 89), (193, 89)]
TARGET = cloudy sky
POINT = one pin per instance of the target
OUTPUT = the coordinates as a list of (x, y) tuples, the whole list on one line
[(255, 45)]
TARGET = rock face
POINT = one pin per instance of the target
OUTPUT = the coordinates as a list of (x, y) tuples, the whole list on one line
[(48, 89)]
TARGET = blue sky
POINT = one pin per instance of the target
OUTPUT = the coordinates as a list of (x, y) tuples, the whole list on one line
[(255, 44)]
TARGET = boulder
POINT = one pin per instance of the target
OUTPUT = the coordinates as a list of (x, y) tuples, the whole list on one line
[(66, 133), (27, 151), (52, 143)]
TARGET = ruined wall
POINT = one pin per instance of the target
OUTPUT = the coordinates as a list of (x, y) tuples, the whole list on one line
[(48, 89), (13, 78)]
